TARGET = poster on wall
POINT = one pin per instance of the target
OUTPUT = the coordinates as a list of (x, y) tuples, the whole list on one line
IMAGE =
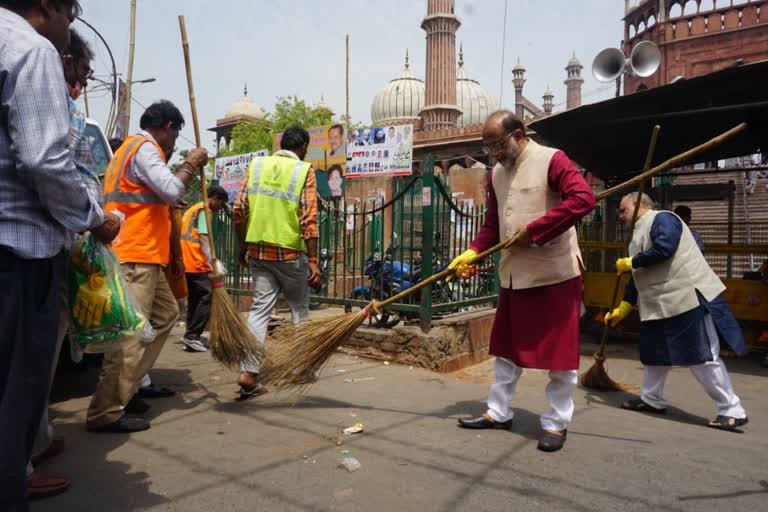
[(232, 170), (383, 151), (327, 154)]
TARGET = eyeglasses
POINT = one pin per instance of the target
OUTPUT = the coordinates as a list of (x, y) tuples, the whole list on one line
[(494, 146)]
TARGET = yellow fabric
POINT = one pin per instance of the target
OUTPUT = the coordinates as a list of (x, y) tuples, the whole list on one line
[(93, 300), (617, 315), (623, 265), (462, 264), (273, 201)]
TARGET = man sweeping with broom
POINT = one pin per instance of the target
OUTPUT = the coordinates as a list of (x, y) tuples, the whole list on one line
[(139, 187), (538, 193), (276, 215), (682, 312)]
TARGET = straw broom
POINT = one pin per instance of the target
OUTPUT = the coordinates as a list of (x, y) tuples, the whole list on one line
[(309, 345), (231, 341)]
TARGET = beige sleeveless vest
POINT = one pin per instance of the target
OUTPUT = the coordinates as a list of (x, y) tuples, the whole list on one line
[(523, 195), (669, 288)]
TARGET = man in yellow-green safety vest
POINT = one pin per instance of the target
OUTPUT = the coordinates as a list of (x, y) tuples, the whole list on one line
[(276, 216)]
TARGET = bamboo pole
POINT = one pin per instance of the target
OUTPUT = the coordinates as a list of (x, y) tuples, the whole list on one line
[(193, 106), (85, 99), (347, 111), (129, 76)]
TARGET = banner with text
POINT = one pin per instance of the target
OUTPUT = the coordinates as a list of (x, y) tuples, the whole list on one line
[(384, 151), (232, 170), (327, 154)]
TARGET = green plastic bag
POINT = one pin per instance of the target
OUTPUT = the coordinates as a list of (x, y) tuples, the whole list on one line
[(102, 309)]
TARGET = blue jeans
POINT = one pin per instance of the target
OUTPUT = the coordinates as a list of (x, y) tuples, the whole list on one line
[(269, 279)]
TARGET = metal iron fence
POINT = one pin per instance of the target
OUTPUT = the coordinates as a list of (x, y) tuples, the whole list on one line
[(732, 250), (375, 252)]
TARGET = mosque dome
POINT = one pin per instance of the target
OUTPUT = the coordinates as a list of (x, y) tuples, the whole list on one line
[(400, 100), (476, 103), (245, 107), (574, 62), (322, 106)]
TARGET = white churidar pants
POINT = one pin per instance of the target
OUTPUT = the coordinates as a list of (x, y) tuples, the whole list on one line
[(559, 392), (712, 375)]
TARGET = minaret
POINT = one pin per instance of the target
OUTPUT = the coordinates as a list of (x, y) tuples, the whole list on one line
[(548, 101), (440, 24), (573, 83), (518, 80)]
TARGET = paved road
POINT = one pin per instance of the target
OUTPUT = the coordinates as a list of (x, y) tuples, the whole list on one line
[(279, 452)]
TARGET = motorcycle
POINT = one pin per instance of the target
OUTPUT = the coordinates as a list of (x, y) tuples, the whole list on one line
[(390, 277)]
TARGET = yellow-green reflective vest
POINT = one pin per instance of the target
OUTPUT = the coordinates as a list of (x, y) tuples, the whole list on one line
[(274, 193)]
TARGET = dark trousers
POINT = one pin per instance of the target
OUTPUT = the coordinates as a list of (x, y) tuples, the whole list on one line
[(198, 304), (29, 319)]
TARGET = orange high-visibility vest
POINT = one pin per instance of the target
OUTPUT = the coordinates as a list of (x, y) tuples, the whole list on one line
[(146, 235), (195, 261)]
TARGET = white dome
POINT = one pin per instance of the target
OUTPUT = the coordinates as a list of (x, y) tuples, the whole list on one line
[(476, 103), (245, 107), (401, 99)]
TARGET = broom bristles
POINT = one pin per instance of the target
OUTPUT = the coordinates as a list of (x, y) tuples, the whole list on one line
[(232, 342), (597, 378), (306, 347)]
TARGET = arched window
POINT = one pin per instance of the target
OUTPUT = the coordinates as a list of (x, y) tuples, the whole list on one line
[(641, 27), (740, 2), (691, 7), (676, 10), (632, 31), (708, 5), (651, 20)]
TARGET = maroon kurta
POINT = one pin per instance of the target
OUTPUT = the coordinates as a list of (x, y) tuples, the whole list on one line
[(539, 327)]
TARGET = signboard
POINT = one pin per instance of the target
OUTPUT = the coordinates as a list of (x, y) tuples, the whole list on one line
[(327, 154), (232, 170), (384, 151)]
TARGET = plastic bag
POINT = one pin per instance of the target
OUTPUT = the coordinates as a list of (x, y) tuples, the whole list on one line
[(102, 309)]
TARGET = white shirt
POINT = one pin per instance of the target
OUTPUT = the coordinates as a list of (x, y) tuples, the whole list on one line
[(147, 168)]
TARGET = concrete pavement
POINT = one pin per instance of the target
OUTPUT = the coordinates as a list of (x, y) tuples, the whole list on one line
[(279, 452)]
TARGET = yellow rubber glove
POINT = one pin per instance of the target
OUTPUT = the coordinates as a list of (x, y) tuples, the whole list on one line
[(462, 264), (617, 315), (623, 265), (93, 299)]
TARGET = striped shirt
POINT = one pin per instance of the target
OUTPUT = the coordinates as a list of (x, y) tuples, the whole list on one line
[(307, 217), (42, 198)]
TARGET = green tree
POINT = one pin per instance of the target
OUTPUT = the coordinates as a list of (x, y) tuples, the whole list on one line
[(292, 111), (247, 138)]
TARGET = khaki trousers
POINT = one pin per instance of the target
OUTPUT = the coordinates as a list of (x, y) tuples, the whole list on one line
[(123, 368)]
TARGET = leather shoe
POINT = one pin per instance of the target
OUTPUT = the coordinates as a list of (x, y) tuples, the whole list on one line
[(55, 448), (136, 405), (123, 424), (483, 422), (39, 486), (550, 442)]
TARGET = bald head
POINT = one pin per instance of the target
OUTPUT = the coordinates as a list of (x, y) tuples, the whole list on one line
[(502, 123), (504, 137)]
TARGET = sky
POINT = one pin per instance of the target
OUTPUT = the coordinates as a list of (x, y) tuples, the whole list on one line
[(287, 47)]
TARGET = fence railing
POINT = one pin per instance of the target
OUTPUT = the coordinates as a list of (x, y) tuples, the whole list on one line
[(732, 250), (374, 252)]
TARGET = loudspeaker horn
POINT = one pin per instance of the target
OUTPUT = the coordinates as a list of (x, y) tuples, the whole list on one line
[(608, 65), (645, 59)]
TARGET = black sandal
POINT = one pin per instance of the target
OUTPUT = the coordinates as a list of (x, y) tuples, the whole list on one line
[(637, 404), (728, 423), (245, 394)]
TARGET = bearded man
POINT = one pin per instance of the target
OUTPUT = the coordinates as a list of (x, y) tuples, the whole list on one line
[(537, 194)]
